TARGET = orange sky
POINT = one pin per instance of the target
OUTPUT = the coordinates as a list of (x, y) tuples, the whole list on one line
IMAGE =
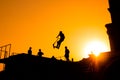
[(36, 23)]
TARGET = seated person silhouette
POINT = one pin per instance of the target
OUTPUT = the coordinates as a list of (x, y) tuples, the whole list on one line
[(40, 53), (30, 51), (60, 38)]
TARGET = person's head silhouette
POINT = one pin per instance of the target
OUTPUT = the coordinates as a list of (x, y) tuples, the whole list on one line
[(30, 48), (60, 31), (39, 50), (65, 47)]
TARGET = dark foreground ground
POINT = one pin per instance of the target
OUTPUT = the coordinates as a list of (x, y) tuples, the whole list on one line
[(29, 67)]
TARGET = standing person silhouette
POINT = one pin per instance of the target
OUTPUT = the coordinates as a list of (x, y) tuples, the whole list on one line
[(61, 38), (67, 53)]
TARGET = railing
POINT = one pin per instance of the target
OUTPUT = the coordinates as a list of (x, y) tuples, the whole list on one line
[(5, 51)]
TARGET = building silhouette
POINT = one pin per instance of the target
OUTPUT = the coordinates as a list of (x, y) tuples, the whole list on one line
[(113, 29), (112, 64)]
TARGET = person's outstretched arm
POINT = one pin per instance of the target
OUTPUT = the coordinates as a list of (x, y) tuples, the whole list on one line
[(58, 35)]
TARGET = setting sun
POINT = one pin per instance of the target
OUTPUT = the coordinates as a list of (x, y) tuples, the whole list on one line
[(96, 47)]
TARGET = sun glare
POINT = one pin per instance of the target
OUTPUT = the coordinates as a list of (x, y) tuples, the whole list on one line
[(96, 47)]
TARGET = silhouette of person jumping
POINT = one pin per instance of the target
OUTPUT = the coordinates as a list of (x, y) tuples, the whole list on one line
[(60, 38), (30, 51), (67, 53), (40, 53)]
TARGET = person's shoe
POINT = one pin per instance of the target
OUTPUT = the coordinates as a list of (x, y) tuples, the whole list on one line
[(53, 46), (57, 47)]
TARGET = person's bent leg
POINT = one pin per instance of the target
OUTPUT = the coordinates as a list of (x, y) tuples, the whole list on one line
[(58, 44)]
